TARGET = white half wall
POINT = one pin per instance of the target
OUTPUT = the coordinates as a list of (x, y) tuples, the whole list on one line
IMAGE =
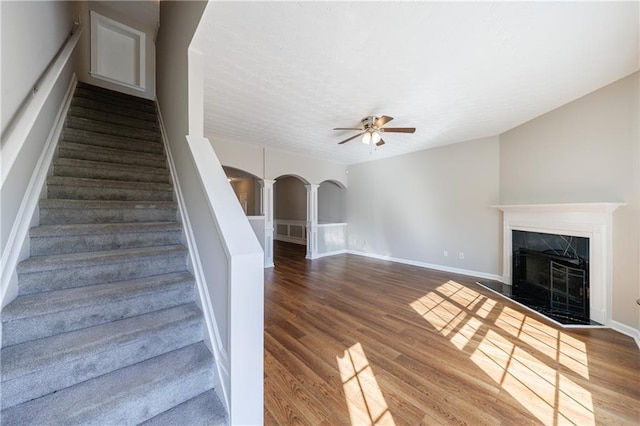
[(586, 151), (416, 207)]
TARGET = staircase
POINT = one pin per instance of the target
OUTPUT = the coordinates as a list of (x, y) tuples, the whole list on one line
[(105, 329)]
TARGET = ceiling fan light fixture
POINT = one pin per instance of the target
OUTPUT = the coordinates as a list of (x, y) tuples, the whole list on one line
[(375, 137), (366, 138)]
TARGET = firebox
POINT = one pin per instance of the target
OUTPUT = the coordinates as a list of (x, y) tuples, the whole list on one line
[(551, 275)]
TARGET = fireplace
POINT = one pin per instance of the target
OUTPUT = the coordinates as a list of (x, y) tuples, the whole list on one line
[(590, 221), (551, 275)]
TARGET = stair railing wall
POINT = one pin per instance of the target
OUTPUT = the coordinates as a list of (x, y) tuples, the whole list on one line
[(28, 145), (244, 263)]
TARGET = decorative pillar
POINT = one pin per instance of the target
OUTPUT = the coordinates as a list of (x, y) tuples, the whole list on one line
[(267, 212), (312, 221)]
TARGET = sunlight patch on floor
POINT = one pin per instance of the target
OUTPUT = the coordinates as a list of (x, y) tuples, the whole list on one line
[(365, 401), (521, 354)]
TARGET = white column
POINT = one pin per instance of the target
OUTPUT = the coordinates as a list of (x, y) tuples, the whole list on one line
[(312, 221), (267, 212)]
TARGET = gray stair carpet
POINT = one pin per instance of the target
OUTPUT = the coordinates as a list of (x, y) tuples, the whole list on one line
[(105, 329)]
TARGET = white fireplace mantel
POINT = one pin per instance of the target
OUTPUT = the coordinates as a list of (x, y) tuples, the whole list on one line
[(589, 220)]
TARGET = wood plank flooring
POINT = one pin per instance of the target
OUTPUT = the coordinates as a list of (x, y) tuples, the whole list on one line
[(353, 340)]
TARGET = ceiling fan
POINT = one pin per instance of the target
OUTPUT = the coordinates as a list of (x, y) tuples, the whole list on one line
[(371, 127)]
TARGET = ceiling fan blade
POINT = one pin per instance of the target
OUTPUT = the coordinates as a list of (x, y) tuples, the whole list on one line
[(348, 128), (382, 121), (399, 129), (352, 137), (380, 143)]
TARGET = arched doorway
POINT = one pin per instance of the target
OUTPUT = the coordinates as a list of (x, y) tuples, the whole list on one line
[(247, 188), (290, 216)]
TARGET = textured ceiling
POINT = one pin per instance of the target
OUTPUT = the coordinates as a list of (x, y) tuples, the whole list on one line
[(283, 74)]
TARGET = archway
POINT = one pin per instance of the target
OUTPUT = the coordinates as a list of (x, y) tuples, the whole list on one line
[(247, 188), (290, 215)]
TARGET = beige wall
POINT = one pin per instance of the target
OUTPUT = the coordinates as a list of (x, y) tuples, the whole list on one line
[(332, 203), (586, 151), (416, 206), (250, 188), (26, 54), (290, 199)]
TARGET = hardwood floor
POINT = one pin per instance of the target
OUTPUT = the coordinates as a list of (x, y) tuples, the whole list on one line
[(353, 340)]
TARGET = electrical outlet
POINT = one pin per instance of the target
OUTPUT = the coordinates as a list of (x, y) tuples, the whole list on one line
[(445, 253), (461, 255)]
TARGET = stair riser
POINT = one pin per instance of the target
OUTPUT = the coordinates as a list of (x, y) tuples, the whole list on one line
[(59, 279), (69, 216), (43, 246), (106, 117), (92, 365), (24, 330), (108, 141), (113, 109), (116, 101), (116, 157), (106, 193), (112, 129), (132, 175)]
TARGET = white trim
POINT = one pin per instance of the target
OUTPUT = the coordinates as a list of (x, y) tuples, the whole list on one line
[(330, 224), (589, 220), (18, 242), (634, 333), (442, 268), (99, 21), (217, 348), (331, 253)]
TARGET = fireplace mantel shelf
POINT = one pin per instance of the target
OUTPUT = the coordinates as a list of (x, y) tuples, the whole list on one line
[(605, 207)]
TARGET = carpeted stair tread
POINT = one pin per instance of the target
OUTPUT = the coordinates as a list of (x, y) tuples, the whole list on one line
[(38, 367), (111, 129), (109, 155), (108, 257), (108, 117), (106, 183), (64, 211), (125, 111), (110, 141), (103, 189), (205, 409), (76, 238), (128, 395), (101, 170), (102, 228), (57, 272), (121, 97), (115, 98), (39, 315)]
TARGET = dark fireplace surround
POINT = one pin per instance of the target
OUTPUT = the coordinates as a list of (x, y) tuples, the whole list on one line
[(551, 275)]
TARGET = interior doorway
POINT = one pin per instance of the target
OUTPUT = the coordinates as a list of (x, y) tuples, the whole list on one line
[(290, 215)]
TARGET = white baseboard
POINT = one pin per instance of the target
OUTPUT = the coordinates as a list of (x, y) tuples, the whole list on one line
[(634, 333), (330, 253), (459, 271), (17, 247), (213, 335)]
